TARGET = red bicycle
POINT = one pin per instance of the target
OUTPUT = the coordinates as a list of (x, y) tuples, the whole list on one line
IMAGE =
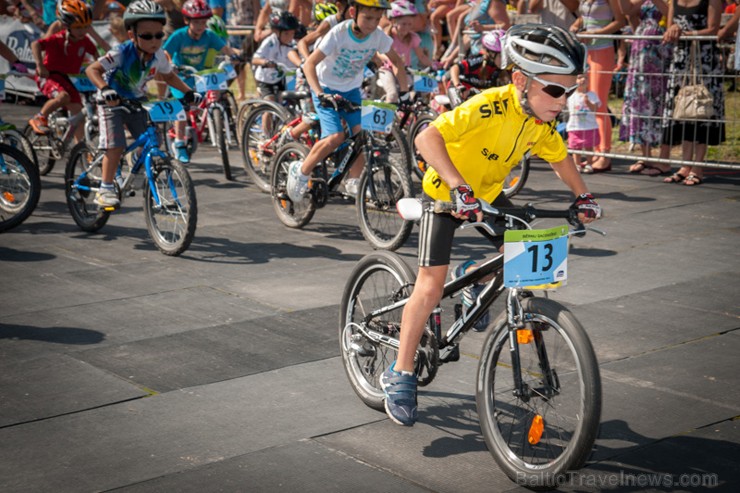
[(214, 116)]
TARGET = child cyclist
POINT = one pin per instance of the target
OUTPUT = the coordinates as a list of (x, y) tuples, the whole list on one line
[(194, 45), (121, 74), (335, 71), (481, 71), (276, 54), (60, 54), (405, 41), (470, 151)]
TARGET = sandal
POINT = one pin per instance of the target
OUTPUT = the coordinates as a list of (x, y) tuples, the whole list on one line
[(637, 167), (675, 178), (652, 170), (693, 180), (590, 170)]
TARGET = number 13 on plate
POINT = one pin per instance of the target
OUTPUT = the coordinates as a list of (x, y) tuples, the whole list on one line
[(536, 258)]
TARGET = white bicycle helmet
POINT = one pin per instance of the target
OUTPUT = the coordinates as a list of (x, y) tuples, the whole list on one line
[(143, 10), (544, 49)]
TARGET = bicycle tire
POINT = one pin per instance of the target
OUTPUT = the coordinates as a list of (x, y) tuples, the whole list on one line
[(241, 117), (398, 148), (514, 182), (218, 116), (258, 162), (377, 280), (16, 139), (419, 164), (178, 206), (290, 214), (20, 187), (379, 221), (507, 422), (85, 212), (231, 108), (43, 150)]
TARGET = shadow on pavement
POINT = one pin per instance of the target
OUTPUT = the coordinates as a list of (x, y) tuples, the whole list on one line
[(58, 335)]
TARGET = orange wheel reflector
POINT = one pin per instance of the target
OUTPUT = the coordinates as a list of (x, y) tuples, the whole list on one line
[(514, 181), (524, 336), (9, 196), (535, 431), (283, 204)]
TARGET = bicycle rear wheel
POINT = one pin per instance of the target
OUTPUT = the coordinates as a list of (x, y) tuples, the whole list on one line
[(172, 221), (419, 164), (219, 125), (20, 187), (538, 436), (292, 214), (82, 177), (261, 125), (46, 155), (378, 280), (381, 186)]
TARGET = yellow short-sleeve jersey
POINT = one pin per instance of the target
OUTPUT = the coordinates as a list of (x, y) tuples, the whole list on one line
[(486, 137)]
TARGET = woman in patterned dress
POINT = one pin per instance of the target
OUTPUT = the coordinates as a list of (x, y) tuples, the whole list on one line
[(646, 82), (693, 18)]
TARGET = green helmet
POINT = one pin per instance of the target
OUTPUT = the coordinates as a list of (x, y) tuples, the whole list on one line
[(323, 10), (217, 25)]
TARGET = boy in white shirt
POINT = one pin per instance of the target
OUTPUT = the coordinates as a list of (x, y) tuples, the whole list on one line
[(276, 54), (583, 130), (334, 71)]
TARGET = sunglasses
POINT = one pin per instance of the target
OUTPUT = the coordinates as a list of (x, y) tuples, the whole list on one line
[(552, 89), (150, 36)]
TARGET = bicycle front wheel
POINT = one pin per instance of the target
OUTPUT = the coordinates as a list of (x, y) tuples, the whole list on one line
[(419, 165), (20, 187), (381, 186), (16, 139), (219, 127), (549, 426), (171, 220), (515, 181)]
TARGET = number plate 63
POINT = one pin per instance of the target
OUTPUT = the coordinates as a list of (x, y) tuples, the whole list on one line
[(378, 117)]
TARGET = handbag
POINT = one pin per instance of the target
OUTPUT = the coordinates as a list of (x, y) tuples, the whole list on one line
[(693, 101)]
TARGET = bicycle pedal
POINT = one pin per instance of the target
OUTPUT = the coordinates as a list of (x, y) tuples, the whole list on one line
[(452, 355), (109, 208)]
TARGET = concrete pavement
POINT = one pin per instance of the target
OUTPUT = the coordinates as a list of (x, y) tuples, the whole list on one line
[(126, 370)]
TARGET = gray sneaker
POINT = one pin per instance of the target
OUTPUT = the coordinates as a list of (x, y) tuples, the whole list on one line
[(297, 183), (107, 197)]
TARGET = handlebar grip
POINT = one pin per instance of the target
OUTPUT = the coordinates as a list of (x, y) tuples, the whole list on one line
[(442, 206)]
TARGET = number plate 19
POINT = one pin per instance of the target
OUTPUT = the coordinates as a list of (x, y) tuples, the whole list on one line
[(170, 110), (378, 117), (535, 257)]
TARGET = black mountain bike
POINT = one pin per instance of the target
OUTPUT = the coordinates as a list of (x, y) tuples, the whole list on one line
[(538, 389), (382, 184)]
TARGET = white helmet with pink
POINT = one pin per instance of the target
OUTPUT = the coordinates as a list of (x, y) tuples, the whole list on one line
[(402, 8)]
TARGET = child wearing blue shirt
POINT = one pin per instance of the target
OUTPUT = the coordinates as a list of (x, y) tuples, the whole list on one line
[(196, 46)]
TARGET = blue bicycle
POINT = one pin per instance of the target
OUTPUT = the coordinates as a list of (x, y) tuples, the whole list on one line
[(170, 206)]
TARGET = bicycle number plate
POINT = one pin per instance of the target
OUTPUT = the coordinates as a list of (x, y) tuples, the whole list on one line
[(290, 80), (229, 70), (82, 83), (170, 110), (536, 258), (378, 117), (2, 87), (424, 83), (211, 81)]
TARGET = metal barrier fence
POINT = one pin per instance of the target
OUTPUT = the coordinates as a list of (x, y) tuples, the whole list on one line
[(639, 124)]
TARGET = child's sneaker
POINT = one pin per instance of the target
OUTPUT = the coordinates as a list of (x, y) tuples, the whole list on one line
[(181, 152), (297, 183), (39, 124), (107, 197), (469, 294), (400, 396), (351, 186)]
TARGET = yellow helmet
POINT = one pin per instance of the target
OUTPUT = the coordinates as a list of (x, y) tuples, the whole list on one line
[(378, 4)]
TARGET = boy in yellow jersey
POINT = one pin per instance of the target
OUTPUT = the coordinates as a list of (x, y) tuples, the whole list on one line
[(470, 151)]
